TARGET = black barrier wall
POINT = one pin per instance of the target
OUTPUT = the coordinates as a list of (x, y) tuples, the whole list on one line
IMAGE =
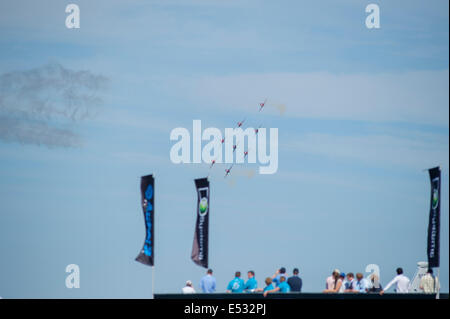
[(300, 296)]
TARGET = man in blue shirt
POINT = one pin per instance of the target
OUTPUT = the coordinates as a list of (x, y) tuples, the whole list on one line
[(268, 287), (278, 274), (360, 285), (251, 283), (237, 284), (283, 287), (208, 282)]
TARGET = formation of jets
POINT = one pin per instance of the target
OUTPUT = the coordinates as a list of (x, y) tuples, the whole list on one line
[(239, 124)]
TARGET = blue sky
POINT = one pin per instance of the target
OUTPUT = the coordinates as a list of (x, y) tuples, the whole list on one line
[(366, 112)]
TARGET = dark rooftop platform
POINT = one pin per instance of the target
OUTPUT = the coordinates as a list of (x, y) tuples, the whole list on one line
[(301, 296)]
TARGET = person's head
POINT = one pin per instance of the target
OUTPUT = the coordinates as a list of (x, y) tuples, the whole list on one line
[(268, 281), (342, 276), (237, 274), (336, 273), (189, 283), (282, 270), (399, 271), (282, 278), (251, 274), (359, 276), (295, 272), (430, 271), (209, 272), (350, 276)]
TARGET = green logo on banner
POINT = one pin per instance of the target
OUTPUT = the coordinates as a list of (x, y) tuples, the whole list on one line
[(435, 198), (203, 206)]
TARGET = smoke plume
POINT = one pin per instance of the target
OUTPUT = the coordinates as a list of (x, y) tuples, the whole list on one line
[(43, 105)]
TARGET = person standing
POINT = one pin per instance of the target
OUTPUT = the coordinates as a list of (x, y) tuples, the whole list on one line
[(237, 284), (361, 285), (342, 277), (278, 274), (269, 285), (428, 282), (375, 286), (333, 283), (283, 287), (295, 282), (349, 284), (208, 282), (188, 289), (400, 280), (251, 284)]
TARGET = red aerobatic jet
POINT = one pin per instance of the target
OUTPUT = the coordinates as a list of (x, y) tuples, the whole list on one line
[(228, 170), (261, 105)]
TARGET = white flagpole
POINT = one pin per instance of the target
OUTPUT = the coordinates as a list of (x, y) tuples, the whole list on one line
[(438, 284), (153, 282), (439, 269), (153, 251)]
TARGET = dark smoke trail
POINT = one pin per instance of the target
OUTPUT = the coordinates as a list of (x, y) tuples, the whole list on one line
[(42, 106)]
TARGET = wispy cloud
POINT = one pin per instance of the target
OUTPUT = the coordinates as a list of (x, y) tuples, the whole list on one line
[(42, 105)]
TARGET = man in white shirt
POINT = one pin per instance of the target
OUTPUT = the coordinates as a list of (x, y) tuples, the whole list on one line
[(402, 283), (344, 281), (428, 283), (188, 289)]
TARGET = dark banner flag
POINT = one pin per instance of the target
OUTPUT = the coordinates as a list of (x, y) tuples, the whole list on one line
[(200, 247), (435, 218), (146, 256)]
